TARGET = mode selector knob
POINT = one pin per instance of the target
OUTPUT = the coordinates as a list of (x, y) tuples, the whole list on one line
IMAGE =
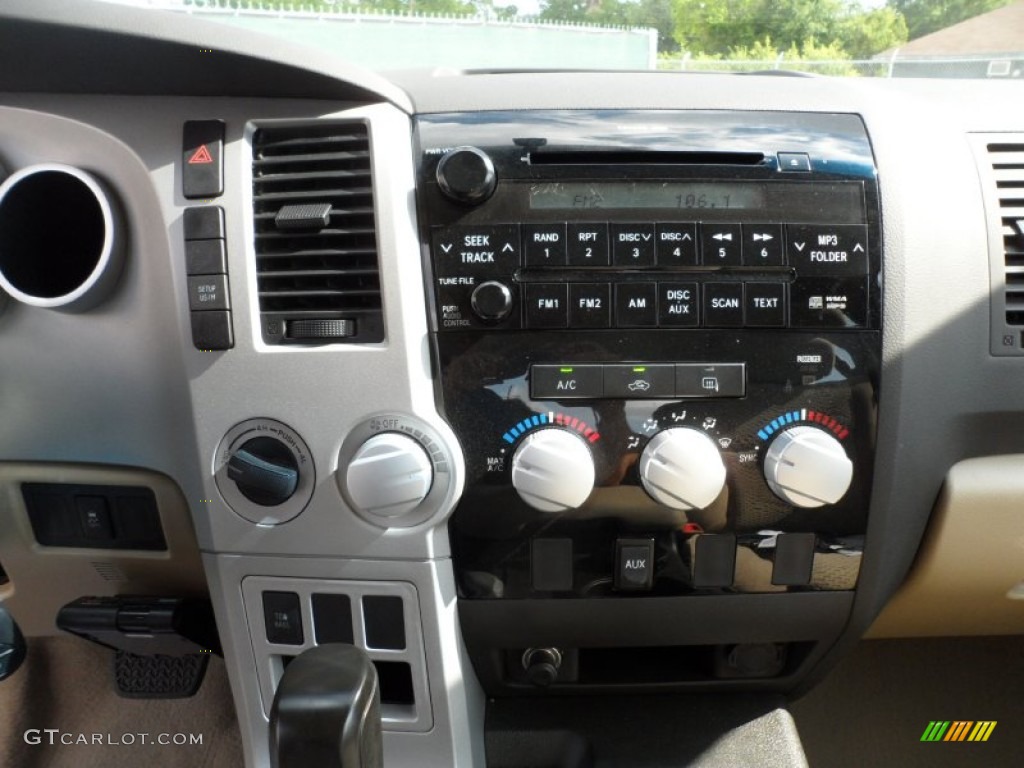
[(389, 475), (807, 467), (553, 470), (466, 175), (491, 300), (682, 469)]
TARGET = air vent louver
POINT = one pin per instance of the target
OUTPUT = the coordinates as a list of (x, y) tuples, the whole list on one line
[(306, 269), (1008, 171)]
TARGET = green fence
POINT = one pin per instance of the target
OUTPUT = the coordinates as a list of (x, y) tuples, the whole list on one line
[(384, 42)]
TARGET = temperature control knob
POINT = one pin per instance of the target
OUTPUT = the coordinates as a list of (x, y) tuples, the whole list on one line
[(682, 469), (807, 467), (466, 175), (553, 471), (389, 475)]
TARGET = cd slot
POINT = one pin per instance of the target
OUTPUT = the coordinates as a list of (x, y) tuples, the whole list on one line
[(626, 157)]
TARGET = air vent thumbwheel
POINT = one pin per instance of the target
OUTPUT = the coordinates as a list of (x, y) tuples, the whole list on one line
[(60, 242)]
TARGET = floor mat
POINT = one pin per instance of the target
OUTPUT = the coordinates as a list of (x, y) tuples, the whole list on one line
[(874, 707), (61, 710)]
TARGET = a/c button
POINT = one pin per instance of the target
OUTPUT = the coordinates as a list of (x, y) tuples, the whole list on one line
[(558, 382)]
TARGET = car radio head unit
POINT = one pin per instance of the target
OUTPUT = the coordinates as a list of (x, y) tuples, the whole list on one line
[(658, 341)]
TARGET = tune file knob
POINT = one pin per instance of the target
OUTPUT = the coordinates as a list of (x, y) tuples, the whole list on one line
[(682, 469), (807, 467), (553, 470)]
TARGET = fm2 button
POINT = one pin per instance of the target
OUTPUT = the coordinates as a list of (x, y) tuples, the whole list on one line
[(634, 564)]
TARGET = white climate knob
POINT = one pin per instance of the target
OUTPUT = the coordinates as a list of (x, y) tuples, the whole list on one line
[(807, 467), (682, 469), (553, 470), (389, 475)]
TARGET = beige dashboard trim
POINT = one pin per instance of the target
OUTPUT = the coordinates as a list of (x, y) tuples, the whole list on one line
[(971, 558), (42, 579)]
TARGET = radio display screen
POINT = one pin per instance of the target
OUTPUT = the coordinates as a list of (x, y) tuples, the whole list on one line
[(839, 202)]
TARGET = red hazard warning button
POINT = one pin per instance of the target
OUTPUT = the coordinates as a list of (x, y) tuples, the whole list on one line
[(202, 171)]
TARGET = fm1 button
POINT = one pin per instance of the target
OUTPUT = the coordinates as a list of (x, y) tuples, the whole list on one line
[(634, 564), (547, 305), (558, 382)]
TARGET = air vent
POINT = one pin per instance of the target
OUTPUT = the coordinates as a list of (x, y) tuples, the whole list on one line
[(316, 242), (1008, 171)]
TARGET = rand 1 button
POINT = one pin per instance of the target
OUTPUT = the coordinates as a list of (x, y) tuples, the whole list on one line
[(711, 379), (828, 302), (547, 305), (678, 304), (558, 382), (765, 305), (544, 245), (476, 250), (639, 380), (632, 245), (721, 245), (676, 245), (816, 249), (636, 305), (762, 245), (590, 305), (723, 304), (587, 245)]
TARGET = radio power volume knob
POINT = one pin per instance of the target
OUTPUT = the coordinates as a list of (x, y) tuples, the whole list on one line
[(807, 467), (553, 471), (466, 175), (389, 475), (491, 300), (682, 469)]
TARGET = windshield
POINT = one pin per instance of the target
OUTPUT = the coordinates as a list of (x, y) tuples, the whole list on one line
[(873, 38)]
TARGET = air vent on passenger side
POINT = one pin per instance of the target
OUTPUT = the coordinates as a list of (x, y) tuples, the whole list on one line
[(1008, 170), (1000, 158), (315, 235)]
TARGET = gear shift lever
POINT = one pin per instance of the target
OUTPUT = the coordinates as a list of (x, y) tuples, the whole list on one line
[(326, 711)]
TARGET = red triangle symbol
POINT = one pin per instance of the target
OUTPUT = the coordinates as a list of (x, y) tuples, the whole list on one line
[(201, 155)]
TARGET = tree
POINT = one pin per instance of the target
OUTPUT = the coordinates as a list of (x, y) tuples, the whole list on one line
[(715, 26), (927, 16), (865, 34)]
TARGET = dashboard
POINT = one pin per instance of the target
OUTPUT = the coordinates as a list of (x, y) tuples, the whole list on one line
[(535, 386)]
